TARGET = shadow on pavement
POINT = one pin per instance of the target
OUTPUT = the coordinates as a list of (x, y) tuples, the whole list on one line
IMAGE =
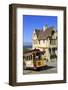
[(41, 68)]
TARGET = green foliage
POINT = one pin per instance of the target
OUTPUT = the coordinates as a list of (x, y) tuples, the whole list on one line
[(25, 49)]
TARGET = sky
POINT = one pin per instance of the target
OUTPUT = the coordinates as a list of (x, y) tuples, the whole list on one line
[(32, 22)]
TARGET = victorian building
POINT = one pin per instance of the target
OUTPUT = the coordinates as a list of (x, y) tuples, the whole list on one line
[(46, 40)]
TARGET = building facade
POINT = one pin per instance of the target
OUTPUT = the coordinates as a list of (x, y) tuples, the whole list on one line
[(46, 40)]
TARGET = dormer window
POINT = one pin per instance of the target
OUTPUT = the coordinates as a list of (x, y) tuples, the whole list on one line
[(34, 34), (43, 41), (34, 41), (52, 33), (39, 41)]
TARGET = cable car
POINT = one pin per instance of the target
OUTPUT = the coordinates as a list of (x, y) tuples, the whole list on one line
[(34, 59)]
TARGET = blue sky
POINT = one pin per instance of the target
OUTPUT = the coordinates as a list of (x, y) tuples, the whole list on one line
[(32, 22)]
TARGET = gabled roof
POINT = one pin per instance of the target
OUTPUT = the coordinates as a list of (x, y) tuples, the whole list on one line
[(41, 34)]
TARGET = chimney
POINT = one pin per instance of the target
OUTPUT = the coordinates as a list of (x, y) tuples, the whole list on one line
[(45, 27)]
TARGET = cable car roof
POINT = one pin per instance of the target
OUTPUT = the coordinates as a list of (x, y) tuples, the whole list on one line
[(33, 51)]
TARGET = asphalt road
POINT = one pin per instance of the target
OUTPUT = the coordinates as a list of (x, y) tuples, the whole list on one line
[(51, 68)]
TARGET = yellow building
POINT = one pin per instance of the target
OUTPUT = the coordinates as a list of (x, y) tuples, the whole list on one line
[(46, 40)]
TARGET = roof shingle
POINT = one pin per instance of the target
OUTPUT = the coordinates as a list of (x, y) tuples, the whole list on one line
[(41, 34)]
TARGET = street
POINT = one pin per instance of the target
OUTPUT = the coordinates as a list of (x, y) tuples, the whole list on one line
[(51, 68)]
